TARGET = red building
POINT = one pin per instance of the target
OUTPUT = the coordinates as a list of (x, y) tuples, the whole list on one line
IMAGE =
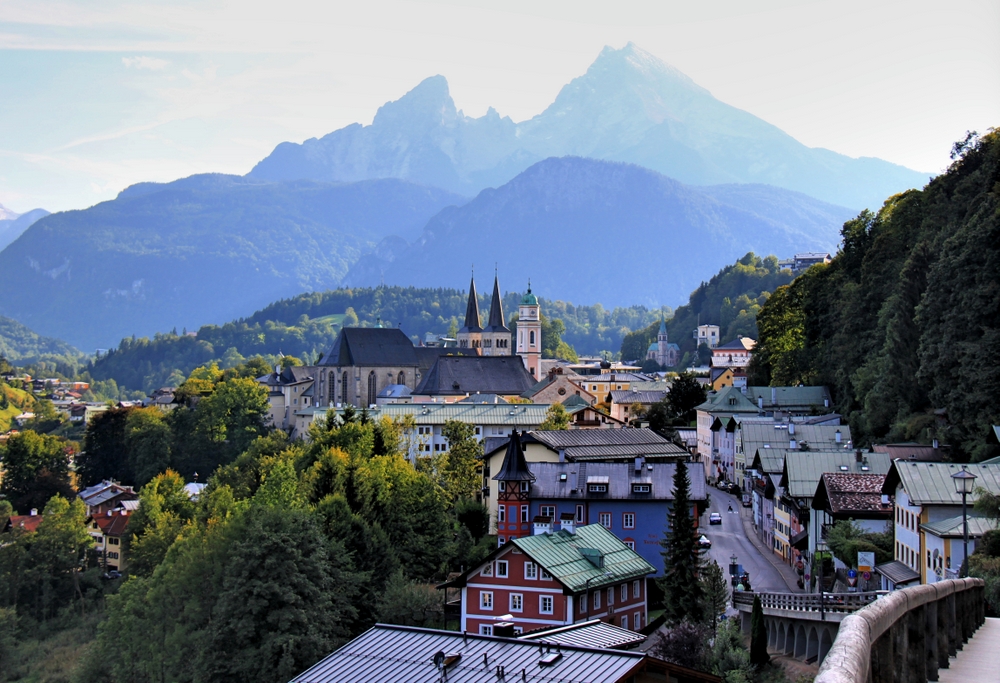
[(555, 578)]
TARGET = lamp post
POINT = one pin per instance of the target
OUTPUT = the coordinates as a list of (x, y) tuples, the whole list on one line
[(963, 484)]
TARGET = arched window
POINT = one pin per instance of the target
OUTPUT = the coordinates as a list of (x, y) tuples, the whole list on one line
[(531, 338), (331, 390), (343, 388), (371, 388), (401, 378)]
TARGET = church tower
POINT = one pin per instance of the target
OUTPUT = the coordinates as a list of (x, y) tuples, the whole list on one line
[(662, 345), (471, 334), (513, 488), (529, 333), (496, 336)]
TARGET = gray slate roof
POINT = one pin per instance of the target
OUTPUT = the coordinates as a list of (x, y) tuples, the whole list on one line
[(398, 654), (371, 347), (460, 375), (623, 396), (619, 475)]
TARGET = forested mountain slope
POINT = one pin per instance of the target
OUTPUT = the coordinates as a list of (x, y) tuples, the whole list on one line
[(21, 345), (197, 250), (904, 325)]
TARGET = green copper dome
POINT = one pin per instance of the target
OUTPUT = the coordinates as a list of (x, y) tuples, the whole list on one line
[(529, 299)]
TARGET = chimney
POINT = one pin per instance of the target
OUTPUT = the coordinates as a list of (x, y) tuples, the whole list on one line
[(541, 525), (567, 522), (34, 512), (504, 626), (562, 455), (792, 444), (774, 395), (838, 436), (638, 464), (791, 427), (934, 444), (826, 403), (760, 403), (857, 456)]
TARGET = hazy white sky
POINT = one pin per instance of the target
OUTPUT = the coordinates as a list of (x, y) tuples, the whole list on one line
[(98, 94)]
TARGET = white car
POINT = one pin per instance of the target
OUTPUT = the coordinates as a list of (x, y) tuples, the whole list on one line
[(704, 542), (715, 518)]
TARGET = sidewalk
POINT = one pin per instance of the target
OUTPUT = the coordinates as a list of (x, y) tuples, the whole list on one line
[(788, 575)]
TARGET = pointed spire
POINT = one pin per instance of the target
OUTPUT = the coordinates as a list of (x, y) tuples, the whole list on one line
[(472, 310), (514, 467), (496, 323)]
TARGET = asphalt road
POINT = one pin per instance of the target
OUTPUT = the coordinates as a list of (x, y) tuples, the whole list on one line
[(729, 538)]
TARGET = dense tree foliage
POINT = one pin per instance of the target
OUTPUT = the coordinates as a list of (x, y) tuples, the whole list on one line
[(682, 592), (35, 468), (731, 300), (903, 324)]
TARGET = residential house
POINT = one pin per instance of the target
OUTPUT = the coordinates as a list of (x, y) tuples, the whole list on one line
[(842, 496), (944, 539), (390, 654), (734, 354), (288, 390), (708, 335), (729, 402), (766, 468), (593, 633), (578, 445), (23, 523), (628, 401), (727, 376), (601, 385), (933, 452), (108, 531), (586, 416), (808, 259), (106, 496), (819, 433), (557, 387), (786, 401), (925, 495), (632, 500), (798, 532), (556, 578), (453, 378)]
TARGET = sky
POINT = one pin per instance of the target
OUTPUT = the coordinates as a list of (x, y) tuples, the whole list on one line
[(96, 95)]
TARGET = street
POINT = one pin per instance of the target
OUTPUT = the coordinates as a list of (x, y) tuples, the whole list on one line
[(729, 539)]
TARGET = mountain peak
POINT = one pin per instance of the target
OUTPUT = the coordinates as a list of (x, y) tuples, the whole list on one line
[(633, 62), (428, 103), (6, 214)]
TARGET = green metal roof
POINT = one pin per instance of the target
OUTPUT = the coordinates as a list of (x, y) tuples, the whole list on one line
[(769, 460), (729, 400), (954, 528), (561, 554), (803, 469), (930, 483), (790, 397), (755, 434)]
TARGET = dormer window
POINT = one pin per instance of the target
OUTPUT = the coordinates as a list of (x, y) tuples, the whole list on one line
[(597, 488), (641, 488)]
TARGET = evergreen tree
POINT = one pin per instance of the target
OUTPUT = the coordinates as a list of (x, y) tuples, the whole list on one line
[(682, 592), (715, 589), (758, 635)]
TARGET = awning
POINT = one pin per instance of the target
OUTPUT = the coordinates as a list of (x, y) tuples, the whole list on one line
[(800, 541), (897, 572)]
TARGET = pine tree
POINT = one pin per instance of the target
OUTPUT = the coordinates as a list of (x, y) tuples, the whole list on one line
[(758, 635), (682, 592)]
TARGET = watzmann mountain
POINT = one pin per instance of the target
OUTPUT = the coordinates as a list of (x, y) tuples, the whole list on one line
[(629, 106)]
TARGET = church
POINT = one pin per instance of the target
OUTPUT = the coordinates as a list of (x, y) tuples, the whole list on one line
[(495, 338), (662, 351)]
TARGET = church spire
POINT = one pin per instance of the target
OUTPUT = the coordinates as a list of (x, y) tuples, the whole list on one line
[(496, 323), (514, 467), (472, 310)]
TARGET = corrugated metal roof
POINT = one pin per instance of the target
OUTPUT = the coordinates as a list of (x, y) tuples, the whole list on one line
[(598, 437), (897, 572), (803, 469), (593, 633), (514, 415), (405, 654), (790, 397), (629, 396), (619, 477), (954, 527), (930, 483), (560, 554), (756, 433)]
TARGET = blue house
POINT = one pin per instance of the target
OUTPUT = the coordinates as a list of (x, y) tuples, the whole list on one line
[(631, 499)]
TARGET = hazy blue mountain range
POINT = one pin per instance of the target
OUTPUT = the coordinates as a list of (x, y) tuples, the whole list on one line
[(13, 224), (22, 345), (629, 106), (588, 230), (198, 250)]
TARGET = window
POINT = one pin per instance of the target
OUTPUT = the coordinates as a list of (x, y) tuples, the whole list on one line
[(605, 518), (485, 630), (625, 621), (545, 575), (640, 488), (516, 602), (343, 388), (579, 514), (486, 600), (597, 488), (501, 540), (501, 486), (502, 568), (583, 603), (487, 569), (401, 378), (611, 595), (548, 511), (112, 541), (372, 391), (524, 487), (628, 520), (502, 513), (630, 543), (530, 571), (637, 620), (545, 603), (624, 592), (524, 513), (635, 589), (597, 599), (531, 338)]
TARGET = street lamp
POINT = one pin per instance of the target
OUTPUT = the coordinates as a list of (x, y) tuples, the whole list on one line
[(963, 484), (586, 589)]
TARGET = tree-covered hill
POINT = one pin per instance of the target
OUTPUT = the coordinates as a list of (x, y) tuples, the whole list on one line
[(198, 250), (904, 324), (731, 300), (23, 346), (305, 326)]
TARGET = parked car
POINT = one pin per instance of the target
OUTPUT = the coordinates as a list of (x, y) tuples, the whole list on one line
[(735, 489), (715, 518), (704, 541)]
